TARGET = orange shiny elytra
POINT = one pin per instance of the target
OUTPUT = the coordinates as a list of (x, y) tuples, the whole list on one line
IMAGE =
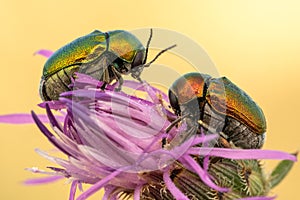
[(219, 104)]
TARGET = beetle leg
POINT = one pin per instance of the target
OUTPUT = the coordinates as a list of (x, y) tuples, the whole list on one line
[(139, 79), (210, 129), (175, 122), (104, 72), (119, 79), (136, 73), (168, 129), (224, 143), (222, 140), (105, 75), (97, 69)]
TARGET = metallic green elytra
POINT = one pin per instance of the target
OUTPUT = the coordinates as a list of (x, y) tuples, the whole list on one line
[(104, 56), (219, 104)]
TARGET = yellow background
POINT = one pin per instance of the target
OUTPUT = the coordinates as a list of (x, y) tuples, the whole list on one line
[(256, 44)]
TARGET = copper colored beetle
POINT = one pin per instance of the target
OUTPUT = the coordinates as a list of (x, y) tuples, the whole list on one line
[(218, 104)]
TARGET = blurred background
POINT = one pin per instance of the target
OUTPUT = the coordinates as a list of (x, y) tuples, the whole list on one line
[(253, 43)]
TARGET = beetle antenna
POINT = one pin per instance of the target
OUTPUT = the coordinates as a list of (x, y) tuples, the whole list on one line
[(161, 52), (148, 43)]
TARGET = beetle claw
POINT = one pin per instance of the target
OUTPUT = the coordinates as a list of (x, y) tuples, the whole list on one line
[(140, 80), (118, 89)]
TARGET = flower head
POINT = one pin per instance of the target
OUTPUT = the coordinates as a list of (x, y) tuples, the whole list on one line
[(129, 146)]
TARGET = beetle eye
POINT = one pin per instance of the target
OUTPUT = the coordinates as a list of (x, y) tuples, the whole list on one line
[(174, 102), (138, 59)]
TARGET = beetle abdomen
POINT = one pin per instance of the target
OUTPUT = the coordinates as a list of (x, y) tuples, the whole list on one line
[(231, 129), (52, 86), (241, 135)]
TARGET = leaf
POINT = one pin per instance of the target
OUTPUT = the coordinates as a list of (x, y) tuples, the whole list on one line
[(281, 171)]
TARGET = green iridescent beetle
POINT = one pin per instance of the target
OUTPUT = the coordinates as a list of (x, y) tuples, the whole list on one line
[(219, 106), (104, 56)]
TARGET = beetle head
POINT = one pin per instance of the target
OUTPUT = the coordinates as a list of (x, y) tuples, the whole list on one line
[(187, 92)]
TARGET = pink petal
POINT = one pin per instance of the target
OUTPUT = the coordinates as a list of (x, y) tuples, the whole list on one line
[(172, 187), (21, 118), (203, 174), (44, 52), (44, 180), (73, 190), (137, 192), (242, 153), (258, 198), (107, 193), (97, 186)]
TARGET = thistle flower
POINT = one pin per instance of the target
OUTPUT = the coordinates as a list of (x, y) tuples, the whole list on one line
[(124, 144)]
